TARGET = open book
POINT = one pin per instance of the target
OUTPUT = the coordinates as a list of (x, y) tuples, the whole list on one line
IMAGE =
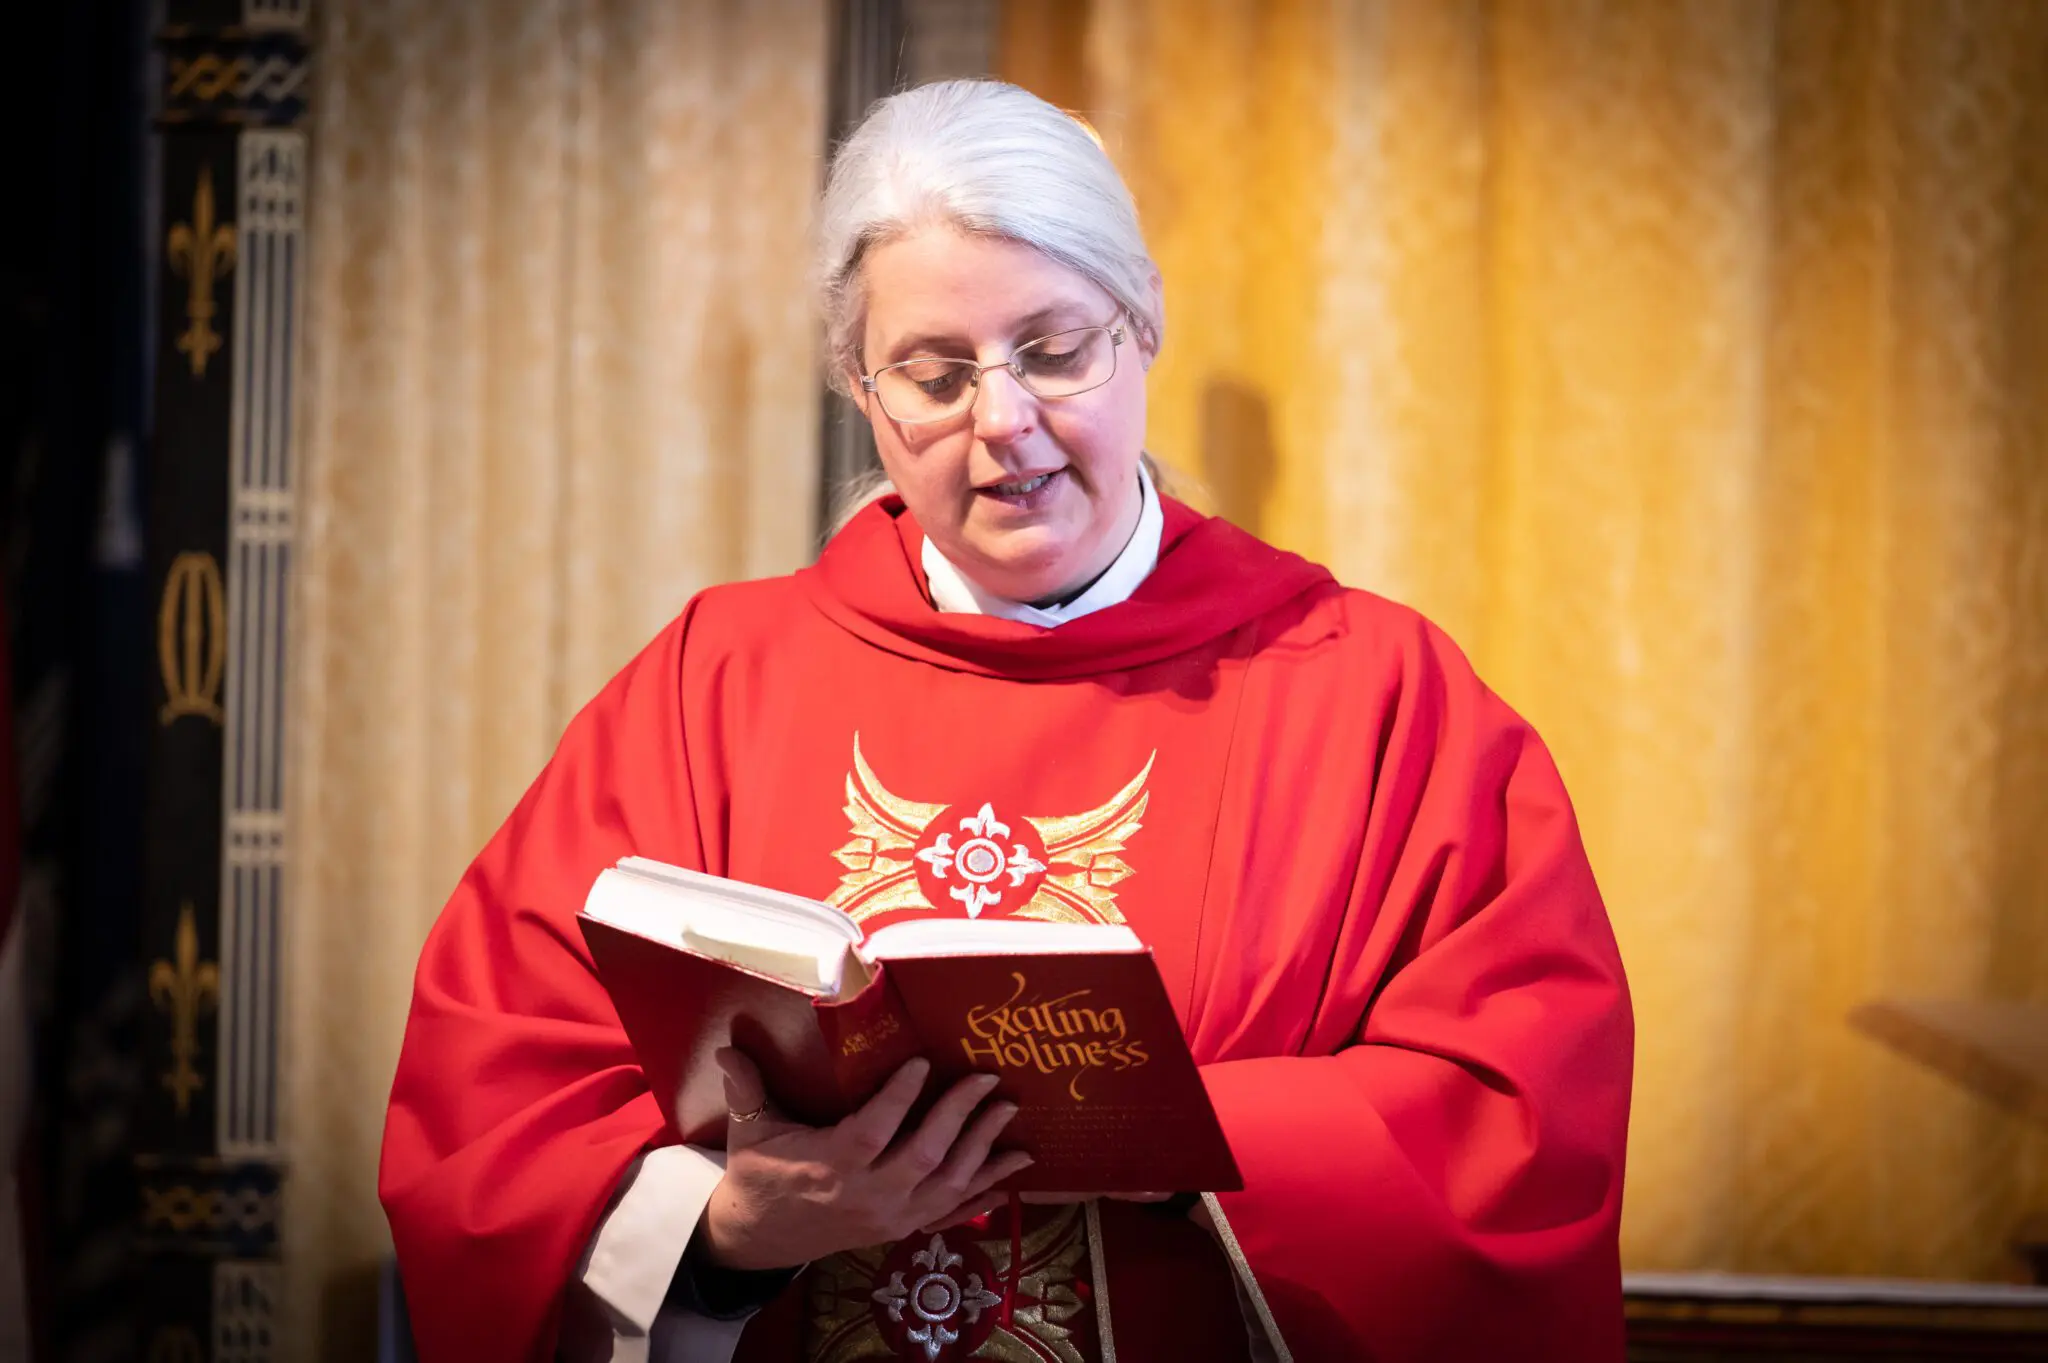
[(1072, 1017)]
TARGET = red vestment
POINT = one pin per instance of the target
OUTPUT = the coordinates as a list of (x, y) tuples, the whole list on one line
[(1357, 868)]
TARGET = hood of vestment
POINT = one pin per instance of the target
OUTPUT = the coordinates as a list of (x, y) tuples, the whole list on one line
[(1211, 579)]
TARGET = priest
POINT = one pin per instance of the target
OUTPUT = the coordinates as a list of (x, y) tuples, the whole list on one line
[(1356, 867)]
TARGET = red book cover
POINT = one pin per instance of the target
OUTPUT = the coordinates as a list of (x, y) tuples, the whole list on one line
[(1086, 1044)]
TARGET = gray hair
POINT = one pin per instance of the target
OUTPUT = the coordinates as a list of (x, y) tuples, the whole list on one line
[(988, 158)]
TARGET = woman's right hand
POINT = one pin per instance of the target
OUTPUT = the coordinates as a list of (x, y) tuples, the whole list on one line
[(793, 1193)]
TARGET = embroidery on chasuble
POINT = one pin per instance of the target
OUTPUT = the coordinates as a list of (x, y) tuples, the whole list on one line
[(940, 1298), (983, 857)]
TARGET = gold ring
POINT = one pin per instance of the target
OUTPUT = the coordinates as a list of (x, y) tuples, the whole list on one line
[(753, 1116)]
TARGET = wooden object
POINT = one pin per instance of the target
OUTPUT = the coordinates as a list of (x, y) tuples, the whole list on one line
[(1998, 1051), (1707, 1317)]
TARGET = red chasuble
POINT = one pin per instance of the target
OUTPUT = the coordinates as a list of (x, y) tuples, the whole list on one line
[(1358, 870)]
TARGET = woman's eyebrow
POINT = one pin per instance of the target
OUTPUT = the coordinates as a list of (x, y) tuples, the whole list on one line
[(927, 341), (1046, 320), (1042, 322)]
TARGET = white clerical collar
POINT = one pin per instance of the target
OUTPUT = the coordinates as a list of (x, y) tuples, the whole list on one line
[(953, 592)]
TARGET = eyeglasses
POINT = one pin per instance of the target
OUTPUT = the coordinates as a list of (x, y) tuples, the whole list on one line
[(1061, 365)]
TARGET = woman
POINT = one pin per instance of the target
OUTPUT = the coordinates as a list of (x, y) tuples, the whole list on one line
[(1356, 867)]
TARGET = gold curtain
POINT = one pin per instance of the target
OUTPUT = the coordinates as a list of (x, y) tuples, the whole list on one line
[(1689, 362), (562, 374)]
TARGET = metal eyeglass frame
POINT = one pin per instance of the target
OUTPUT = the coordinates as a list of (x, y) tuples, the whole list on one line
[(1116, 340)]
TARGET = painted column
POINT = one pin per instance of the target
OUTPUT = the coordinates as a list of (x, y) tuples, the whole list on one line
[(231, 177)]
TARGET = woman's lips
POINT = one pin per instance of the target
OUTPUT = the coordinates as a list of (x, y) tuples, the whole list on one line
[(1025, 494)]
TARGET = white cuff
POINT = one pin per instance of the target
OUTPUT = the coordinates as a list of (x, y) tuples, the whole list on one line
[(615, 1307)]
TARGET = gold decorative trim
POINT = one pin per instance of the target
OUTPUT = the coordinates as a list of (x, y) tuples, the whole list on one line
[(1086, 846), (175, 1344), (203, 251), (184, 1207), (192, 638), (1246, 1278), (208, 75), (184, 986)]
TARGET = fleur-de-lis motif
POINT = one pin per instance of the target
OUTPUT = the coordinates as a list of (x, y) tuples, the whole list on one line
[(985, 824), (936, 1256), (934, 1337), (203, 251), (184, 987), (977, 1299)]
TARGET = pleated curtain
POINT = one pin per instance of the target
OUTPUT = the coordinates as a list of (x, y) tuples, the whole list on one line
[(562, 375), (1688, 361)]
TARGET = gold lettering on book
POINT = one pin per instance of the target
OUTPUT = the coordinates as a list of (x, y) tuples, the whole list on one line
[(1052, 1036), (868, 1038)]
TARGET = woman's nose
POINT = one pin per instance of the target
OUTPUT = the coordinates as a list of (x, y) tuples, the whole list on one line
[(1002, 408)]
